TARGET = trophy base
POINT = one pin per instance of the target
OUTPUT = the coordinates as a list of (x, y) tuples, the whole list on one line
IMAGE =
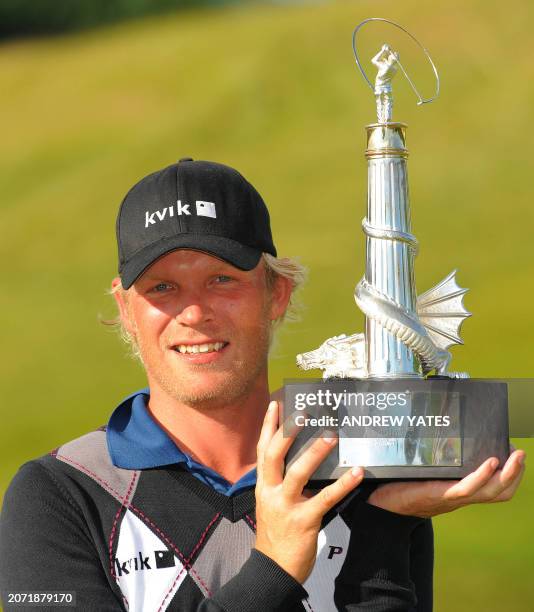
[(443, 428)]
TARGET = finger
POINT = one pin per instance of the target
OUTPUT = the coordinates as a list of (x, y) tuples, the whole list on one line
[(269, 427), (502, 480), (511, 469), (278, 396), (300, 470), (509, 491), (276, 450), (472, 483), (328, 497)]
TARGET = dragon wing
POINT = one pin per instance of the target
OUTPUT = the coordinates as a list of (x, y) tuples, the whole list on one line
[(442, 312)]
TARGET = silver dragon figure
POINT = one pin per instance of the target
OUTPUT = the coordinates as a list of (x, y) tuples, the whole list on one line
[(405, 335)]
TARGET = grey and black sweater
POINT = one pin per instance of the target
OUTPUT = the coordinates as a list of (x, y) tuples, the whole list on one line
[(160, 539)]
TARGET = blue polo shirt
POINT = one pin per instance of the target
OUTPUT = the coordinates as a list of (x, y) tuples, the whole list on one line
[(136, 442)]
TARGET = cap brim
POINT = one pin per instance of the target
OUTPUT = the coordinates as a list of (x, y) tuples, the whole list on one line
[(235, 253)]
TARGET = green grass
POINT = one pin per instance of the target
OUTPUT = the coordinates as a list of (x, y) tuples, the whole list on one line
[(274, 92)]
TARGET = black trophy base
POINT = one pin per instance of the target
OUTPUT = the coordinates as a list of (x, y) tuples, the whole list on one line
[(476, 409)]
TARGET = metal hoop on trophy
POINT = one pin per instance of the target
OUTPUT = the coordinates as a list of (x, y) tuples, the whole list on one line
[(403, 353), (384, 52)]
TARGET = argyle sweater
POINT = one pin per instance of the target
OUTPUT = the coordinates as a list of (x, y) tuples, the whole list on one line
[(160, 539)]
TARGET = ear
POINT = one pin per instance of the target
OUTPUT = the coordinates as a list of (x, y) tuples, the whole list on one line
[(122, 303), (281, 293)]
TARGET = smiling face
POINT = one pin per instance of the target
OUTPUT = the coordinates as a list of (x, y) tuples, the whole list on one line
[(203, 326)]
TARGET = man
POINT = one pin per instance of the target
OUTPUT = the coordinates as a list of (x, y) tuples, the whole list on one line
[(181, 501)]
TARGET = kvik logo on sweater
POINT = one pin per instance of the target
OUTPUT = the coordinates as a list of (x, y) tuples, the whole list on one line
[(162, 559), (202, 208)]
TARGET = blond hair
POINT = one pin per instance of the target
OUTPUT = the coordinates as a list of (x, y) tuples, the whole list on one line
[(288, 267)]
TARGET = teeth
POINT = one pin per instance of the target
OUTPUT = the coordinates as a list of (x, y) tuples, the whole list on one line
[(200, 348)]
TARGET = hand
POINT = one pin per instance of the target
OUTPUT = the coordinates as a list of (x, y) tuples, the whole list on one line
[(288, 523), (433, 497)]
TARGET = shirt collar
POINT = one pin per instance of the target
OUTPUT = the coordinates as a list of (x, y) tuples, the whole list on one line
[(136, 442)]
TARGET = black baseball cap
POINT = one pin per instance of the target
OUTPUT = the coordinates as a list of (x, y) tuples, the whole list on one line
[(199, 205)]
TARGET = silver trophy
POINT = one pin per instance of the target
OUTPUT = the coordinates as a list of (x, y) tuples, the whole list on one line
[(406, 336)]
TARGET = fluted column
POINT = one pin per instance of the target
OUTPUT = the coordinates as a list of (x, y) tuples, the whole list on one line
[(390, 247)]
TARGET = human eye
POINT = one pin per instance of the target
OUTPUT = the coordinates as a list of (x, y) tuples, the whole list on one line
[(161, 288), (223, 278)]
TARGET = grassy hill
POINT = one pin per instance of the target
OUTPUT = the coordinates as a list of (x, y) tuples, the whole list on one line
[(273, 91)]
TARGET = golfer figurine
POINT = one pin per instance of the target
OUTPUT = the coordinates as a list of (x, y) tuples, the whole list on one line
[(386, 60)]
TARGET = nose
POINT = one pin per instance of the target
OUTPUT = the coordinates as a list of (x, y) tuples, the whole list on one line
[(194, 312)]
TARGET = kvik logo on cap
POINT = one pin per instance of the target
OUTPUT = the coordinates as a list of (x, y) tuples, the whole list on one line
[(203, 209)]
